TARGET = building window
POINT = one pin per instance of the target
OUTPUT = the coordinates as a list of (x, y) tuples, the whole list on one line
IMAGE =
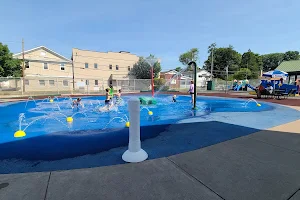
[(51, 82), (65, 82), (128, 68), (45, 65), (87, 82), (86, 65), (26, 82), (117, 67), (26, 64), (95, 65), (110, 66), (42, 82), (96, 82), (62, 66)]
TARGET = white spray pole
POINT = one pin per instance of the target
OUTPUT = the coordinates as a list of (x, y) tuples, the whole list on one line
[(134, 153)]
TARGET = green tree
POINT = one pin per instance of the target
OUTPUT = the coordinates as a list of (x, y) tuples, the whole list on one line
[(187, 57), (159, 84), (253, 62), (242, 74), (272, 60), (223, 57), (8, 65), (142, 70), (178, 69), (291, 55)]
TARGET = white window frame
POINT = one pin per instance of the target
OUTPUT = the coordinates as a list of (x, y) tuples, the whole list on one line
[(62, 65), (86, 65), (51, 84), (117, 67), (42, 84), (44, 66)]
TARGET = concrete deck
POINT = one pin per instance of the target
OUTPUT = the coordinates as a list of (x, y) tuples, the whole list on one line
[(260, 166)]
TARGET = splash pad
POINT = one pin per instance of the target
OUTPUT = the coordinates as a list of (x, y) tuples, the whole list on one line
[(58, 130)]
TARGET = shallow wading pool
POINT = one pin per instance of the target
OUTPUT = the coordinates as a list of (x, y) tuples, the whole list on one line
[(50, 137)]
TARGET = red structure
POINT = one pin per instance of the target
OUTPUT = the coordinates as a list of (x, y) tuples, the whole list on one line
[(152, 82)]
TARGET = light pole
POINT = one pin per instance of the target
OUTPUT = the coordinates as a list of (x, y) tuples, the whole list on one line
[(211, 49), (151, 60), (212, 63), (195, 83), (226, 79)]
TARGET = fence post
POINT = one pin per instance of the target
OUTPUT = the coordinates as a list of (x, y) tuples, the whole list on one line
[(134, 153), (57, 85), (133, 85), (22, 86)]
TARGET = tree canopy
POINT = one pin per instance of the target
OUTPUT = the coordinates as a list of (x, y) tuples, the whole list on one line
[(187, 57), (253, 62), (291, 55), (247, 65), (223, 57), (243, 74), (142, 70), (272, 60), (178, 69), (8, 65)]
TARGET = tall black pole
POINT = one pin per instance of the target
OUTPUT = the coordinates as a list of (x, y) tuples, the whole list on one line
[(195, 83)]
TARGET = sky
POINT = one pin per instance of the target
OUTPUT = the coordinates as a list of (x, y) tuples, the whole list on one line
[(165, 28)]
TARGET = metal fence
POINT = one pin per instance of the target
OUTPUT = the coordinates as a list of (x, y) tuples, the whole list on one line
[(56, 86)]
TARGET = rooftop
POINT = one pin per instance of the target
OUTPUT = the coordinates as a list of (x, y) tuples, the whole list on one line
[(289, 66)]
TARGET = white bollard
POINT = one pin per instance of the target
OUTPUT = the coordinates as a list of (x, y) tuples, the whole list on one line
[(134, 153)]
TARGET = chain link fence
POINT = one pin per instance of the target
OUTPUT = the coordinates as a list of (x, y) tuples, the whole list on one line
[(56, 86), (65, 85)]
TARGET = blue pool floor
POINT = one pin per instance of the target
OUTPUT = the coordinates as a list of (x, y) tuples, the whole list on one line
[(74, 151), (176, 138)]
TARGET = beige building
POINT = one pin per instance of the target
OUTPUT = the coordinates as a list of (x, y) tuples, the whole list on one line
[(46, 70), (101, 69), (87, 71)]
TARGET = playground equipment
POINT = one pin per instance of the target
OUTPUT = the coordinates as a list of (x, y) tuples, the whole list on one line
[(276, 83), (239, 85), (147, 100)]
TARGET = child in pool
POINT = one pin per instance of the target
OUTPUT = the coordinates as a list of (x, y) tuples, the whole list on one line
[(174, 98), (118, 97), (77, 102), (108, 102), (107, 97)]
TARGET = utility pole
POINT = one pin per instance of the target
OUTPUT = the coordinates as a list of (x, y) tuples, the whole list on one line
[(226, 79), (23, 67), (73, 73), (247, 72), (212, 64), (152, 81)]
